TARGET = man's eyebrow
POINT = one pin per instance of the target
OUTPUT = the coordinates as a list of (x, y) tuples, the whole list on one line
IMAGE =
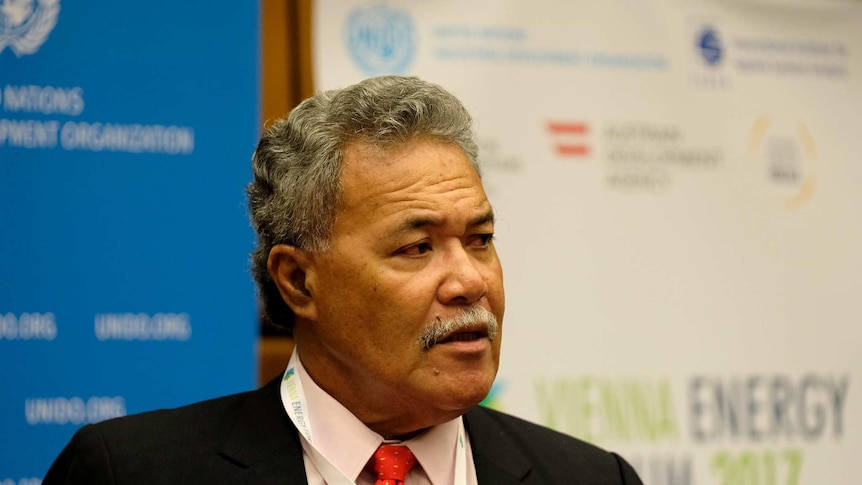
[(486, 218), (409, 225)]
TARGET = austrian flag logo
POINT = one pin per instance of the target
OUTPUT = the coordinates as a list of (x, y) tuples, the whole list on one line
[(25, 24), (570, 138)]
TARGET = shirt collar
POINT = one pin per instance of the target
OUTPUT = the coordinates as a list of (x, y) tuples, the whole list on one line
[(348, 444), (435, 450)]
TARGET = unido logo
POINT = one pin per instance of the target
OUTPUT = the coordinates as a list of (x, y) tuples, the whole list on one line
[(381, 39), (25, 24)]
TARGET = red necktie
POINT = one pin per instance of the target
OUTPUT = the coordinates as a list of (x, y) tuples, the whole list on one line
[(392, 462)]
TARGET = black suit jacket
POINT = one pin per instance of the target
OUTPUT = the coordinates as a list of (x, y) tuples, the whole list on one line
[(248, 438)]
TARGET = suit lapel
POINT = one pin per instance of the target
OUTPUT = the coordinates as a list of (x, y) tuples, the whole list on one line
[(265, 445), (495, 455), (263, 442)]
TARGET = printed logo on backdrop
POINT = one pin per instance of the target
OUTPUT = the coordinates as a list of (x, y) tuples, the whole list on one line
[(718, 56), (786, 155), (381, 39), (26, 24), (637, 156), (570, 138), (709, 46), (708, 58)]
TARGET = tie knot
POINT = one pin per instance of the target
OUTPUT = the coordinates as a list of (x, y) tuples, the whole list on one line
[(392, 462)]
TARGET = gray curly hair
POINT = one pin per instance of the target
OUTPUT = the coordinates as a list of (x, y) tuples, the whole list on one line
[(296, 191)]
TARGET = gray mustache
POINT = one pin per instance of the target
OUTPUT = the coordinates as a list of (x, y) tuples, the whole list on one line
[(466, 318)]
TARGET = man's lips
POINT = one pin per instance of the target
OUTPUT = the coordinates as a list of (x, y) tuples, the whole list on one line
[(471, 327), (466, 335)]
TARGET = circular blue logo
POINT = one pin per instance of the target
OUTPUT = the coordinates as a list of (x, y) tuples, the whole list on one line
[(381, 39), (25, 24), (709, 45)]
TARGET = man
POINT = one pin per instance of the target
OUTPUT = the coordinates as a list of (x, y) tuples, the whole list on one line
[(376, 250)]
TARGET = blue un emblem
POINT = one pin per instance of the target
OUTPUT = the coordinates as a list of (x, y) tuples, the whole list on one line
[(25, 24), (381, 39)]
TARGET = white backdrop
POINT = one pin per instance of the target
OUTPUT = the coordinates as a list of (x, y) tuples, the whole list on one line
[(677, 185)]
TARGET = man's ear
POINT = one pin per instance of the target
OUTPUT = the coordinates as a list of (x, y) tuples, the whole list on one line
[(289, 267)]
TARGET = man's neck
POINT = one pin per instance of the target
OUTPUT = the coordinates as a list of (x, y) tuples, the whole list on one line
[(379, 409)]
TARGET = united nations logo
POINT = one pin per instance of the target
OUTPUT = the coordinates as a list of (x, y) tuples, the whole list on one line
[(25, 24), (381, 39)]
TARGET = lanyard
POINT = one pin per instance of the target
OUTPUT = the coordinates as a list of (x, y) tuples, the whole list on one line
[(293, 400)]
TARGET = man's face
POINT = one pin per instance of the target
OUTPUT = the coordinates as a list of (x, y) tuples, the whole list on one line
[(411, 245)]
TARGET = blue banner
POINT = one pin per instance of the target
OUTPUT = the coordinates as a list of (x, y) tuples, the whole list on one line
[(126, 131)]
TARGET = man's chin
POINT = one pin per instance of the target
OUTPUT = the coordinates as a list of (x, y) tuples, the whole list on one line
[(464, 396), (457, 385)]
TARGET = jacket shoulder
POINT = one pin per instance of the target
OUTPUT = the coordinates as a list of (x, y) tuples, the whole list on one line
[(162, 446), (193, 423), (540, 454)]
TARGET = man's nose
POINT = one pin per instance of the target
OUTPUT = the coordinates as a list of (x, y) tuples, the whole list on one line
[(463, 282)]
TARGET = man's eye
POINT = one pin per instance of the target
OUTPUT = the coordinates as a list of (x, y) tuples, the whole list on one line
[(415, 249), (483, 240)]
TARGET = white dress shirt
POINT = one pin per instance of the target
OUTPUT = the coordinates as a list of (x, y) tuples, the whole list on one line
[(349, 445)]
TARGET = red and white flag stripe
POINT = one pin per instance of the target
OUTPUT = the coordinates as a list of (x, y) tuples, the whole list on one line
[(570, 138)]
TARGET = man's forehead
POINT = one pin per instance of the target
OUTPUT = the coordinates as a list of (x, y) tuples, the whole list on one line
[(409, 222), (423, 186)]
